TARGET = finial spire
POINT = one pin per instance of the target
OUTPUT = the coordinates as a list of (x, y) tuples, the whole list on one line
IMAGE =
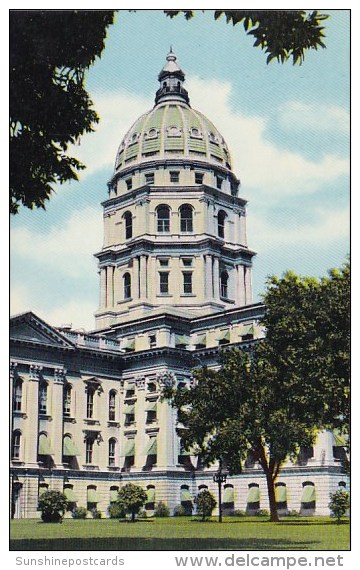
[(171, 79)]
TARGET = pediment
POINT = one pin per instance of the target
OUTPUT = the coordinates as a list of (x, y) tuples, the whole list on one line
[(29, 327)]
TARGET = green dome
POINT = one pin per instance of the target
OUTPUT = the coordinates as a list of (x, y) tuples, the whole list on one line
[(172, 129)]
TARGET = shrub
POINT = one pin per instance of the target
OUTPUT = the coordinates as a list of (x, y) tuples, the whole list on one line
[(263, 513), (239, 513), (205, 503), (95, 514), (132, 498), (162, 510), (52, 505), (116, 511), (179, 511), (339, 504), (294, 513), (79, 513)]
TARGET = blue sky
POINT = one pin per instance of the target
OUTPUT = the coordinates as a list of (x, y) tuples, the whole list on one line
[(287, 128)]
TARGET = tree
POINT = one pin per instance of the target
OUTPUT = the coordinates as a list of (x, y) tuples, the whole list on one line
[(205, 503), (339, 504), (296, 378), (50, 50), (308, 337), (131, 498), (52, 505), (282, 34)]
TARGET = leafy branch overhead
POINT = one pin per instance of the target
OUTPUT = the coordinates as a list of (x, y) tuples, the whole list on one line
[(282, 34), (49, 105)]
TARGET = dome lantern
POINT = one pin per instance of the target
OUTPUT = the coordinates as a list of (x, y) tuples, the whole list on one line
[(171, 79)]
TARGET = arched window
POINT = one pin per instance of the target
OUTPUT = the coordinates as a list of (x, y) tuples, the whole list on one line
[(224, 278), (112, 405), (221, 223), (67, 400), (16, 442), (128, 225), (17, 395), (112, 452), (43, 398), (186, 218), (163, 218), (91, 497), (127, 285)]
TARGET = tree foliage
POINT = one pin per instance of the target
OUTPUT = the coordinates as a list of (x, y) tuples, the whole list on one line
[(50, 50), (52, 505), (339, 504), (271, 401), (131, 498), (205, 503), (282, 34)]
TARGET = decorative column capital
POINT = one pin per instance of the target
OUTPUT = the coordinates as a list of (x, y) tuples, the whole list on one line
[(13, 366), (59, 375), (140, 382), (35, 371)]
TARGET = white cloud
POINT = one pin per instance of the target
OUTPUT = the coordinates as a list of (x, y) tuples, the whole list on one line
[(117, 112), (309, 117), (274, 171), (78, 313), (68, 249), (257, 161)]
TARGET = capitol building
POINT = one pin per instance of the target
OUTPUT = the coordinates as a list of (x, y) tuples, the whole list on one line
[(175, 289)]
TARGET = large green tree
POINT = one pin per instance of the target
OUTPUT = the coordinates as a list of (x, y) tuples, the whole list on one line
[(281, 34), (50, 50), (271, 401)]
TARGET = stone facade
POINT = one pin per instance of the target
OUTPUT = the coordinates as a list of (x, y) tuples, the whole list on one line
[(175, 289)]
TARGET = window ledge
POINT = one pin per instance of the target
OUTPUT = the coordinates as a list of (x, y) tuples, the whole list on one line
[(91, 422), (45, 417), (19, 414), (164, 295), (69, 419), (113, 423), (90, 467), (227, 300), (187, 295), (113, 468), (127, 300)]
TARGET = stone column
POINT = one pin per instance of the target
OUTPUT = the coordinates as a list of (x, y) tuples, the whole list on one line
[(102, 273), (209, 293), (143, 277), (57, 416), (216, 276), (140, 438), (135, 285), (116, 286), (240, 293), (166, 439), (32, 420), (243, 238), (109, 285), (248, 286)]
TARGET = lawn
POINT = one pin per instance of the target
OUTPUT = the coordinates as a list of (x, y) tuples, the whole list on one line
[(181, 533)]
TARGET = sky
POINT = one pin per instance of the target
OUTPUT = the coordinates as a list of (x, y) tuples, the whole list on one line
[(287, 128)]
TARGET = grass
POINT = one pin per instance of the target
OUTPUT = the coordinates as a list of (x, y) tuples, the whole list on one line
[(181, 533)]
